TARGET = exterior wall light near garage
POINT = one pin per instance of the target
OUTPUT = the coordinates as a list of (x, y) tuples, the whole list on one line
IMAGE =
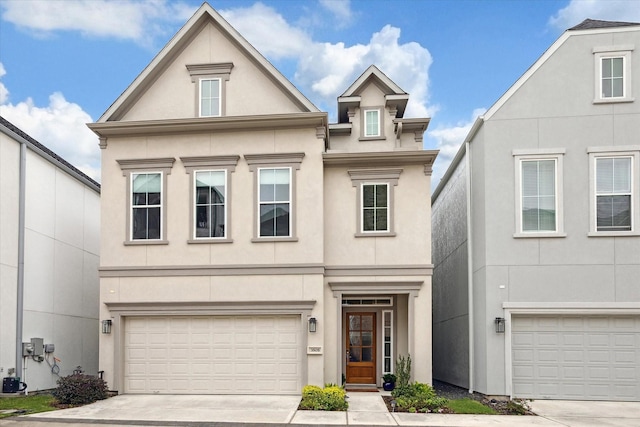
[(499, 325), (106, 326), (313, 324)]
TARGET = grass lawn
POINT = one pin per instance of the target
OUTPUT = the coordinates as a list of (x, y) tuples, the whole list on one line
[(29, 404), (469, 406)]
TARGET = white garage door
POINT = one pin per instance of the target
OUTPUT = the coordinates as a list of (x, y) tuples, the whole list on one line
[(213, 355), (576, 357)]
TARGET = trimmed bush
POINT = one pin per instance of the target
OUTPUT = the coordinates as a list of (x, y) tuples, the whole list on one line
[(330, 398), (418, 397), (80, 389)]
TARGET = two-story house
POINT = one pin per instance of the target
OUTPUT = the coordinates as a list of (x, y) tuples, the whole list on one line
[(536, 226), (249, 246), (49, 257)]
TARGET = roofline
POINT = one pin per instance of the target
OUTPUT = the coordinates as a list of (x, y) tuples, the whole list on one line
[(375, 71), (47, 154), (179, 37), (545, 56)]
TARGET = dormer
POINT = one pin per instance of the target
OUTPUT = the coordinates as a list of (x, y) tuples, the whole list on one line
[(370, 116)]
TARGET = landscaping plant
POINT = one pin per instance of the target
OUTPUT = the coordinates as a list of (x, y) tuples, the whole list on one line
[(80, 389), (329, 398), (414, 397)]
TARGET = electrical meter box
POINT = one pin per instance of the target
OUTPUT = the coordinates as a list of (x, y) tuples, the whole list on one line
[(38, 346)]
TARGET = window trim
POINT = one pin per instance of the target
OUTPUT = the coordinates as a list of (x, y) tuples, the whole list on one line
[(363, 124), (532, 155), (210, 163), (210, 79), (217, 71), (363, 208), (390, 177), (609, 52), (274, 161), (632, 151), (156, 165)]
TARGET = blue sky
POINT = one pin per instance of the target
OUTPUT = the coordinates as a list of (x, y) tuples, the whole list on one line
[(63, 62)]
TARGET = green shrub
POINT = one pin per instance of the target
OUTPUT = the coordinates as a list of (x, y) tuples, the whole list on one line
[(403, 375), (418, 397), (330, 398), (80, 389)]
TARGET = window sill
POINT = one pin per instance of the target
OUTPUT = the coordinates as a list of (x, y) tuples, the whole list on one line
[(209, 241), (372, 138), (613, 233), (612, 100), (273, 239), (145, 242), (534, 235), (376, 234)]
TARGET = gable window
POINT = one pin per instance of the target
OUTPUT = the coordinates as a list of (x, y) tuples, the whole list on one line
[(146, 199), (538, 184), (275, 202), (374, 207), (613, 74), (210, 210), (210, 81), (210, 97), (275, 195), (371, 123)]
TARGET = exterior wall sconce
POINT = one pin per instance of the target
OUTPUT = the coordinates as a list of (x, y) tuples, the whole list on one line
[(313, 324), (106, 326), (499, 325)]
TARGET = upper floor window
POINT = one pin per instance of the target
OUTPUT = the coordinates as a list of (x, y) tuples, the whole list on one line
[(613, 74), (613, 193), (375, 207), (538, 185), (210, 210), (146, 199), (375, 195), (275, 202), (371, 123), (210, 85), (210, 97), (275, 195)]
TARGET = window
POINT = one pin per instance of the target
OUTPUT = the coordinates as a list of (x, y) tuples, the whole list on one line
[(538, 183), (210, 211), (374, 189), (275, 202), (275, 195), (372, 123), (146, 205), (613, 74), (210, 97), (210, 85), (146, 199), (375, 207)]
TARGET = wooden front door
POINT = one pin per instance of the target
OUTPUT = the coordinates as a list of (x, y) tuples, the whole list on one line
[(361, 348)]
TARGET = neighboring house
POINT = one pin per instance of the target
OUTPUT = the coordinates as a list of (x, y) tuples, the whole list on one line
[(49, 257), (537, 224), (249, 246)]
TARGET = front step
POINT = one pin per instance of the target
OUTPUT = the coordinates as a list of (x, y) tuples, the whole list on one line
[(361, 387)]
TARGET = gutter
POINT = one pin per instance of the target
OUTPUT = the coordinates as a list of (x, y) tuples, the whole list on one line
[(20, 281)]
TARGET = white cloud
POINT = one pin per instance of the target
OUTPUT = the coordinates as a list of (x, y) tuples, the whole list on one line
[(341, 10), (610, 10), (448, 140), (4, 92), (61, 127), (139, 21)]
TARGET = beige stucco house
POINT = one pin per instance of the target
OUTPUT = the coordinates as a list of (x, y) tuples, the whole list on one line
[(49, 257), (248, 244)]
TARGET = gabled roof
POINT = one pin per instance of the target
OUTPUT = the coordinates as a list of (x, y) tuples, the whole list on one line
[(181, 39), (351, 97), (590, 24), (15, 132)]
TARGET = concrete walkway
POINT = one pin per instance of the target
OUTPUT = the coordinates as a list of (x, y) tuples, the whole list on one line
[(364, 409)]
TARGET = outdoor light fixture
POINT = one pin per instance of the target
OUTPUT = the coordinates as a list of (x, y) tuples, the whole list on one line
[(106, 326), (499, 325), (313, 324)]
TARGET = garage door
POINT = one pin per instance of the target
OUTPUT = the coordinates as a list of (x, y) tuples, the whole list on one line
[(213, 355), (576, 357)]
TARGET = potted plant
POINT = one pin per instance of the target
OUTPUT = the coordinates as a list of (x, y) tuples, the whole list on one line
[(388, 382)]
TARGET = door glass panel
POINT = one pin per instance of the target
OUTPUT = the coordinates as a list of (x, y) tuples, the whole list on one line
[(354, 354), (354, 338), (354, 322), (367, 338), (367, 355), (367, 323)]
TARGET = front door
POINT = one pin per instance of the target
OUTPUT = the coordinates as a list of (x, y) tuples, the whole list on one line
[(361, 348)]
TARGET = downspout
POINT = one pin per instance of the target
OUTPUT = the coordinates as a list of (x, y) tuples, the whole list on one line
[(20, 284), (470, 267)]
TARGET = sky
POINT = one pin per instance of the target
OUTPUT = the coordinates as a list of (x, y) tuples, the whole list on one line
[(64, 62)]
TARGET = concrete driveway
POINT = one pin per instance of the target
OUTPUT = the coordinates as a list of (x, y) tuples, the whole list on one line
[(580, 413)]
